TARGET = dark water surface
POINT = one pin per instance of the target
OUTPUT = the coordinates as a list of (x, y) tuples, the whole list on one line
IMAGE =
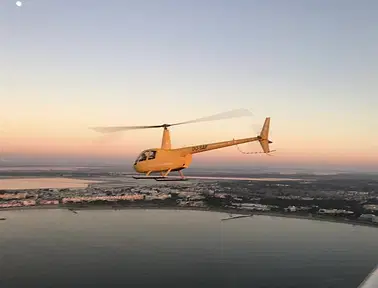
[(163, 248)]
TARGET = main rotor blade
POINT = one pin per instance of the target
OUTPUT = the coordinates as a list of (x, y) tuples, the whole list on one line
[(225, 115), (122, 128), (220, 116)]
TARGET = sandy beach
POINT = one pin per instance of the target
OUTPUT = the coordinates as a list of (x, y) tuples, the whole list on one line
[(220, 210), (43, 183)]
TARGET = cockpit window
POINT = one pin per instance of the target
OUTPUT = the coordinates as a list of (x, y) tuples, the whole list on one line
[(142, 157), (152, 155)]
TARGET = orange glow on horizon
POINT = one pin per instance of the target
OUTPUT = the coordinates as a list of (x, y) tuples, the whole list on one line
[(125, 146)]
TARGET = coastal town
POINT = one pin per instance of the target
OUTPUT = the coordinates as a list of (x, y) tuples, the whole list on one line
[(352, 200)]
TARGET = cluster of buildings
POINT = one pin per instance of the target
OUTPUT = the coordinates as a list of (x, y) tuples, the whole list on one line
[(335, 212), (23, 199), (253, 206), (243, 195), (13, 196), (185, 197), (80, 199), (371, 207)]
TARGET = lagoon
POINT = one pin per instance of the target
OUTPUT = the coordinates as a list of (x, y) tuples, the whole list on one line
[(171, 248)]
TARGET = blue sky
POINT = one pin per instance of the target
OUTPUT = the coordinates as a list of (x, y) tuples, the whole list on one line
[(310, 65)]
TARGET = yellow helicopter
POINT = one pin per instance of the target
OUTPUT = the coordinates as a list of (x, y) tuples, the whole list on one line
[(165, 159)]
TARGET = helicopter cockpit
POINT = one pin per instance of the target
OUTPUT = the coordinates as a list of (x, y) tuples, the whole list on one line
[(146, 155)]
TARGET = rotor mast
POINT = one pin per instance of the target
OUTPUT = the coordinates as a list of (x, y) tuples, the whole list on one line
[(166, 140)]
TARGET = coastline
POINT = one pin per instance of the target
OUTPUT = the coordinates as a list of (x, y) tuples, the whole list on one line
[(203, 209)]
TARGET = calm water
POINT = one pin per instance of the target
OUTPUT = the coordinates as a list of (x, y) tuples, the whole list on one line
[(156, 248)]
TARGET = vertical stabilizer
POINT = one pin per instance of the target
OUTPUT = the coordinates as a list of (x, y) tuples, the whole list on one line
[(264, 136)]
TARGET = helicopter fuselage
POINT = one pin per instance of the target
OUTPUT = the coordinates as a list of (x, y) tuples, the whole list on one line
[(159, 160), (166, 160)]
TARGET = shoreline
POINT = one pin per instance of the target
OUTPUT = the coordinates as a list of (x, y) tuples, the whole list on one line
[(204, 209)]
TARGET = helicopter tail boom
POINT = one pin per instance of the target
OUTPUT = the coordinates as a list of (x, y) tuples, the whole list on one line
[(262, 138)]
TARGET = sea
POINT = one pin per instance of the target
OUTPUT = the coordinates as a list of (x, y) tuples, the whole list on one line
[(179, 248)]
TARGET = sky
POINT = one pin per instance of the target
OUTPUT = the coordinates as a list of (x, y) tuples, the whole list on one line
[(309, 65)]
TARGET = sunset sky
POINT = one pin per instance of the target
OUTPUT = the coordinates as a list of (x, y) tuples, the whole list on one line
[(312, 66)]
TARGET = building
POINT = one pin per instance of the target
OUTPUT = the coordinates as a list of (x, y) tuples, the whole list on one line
[(291, 209), (369, 217), (371, 207), (49, 202), (28, 202)]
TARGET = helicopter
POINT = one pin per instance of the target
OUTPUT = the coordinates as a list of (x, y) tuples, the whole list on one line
[(166, 159)]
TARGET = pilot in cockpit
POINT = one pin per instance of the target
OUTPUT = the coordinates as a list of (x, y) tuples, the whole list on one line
[(141, 157), (150, 155)]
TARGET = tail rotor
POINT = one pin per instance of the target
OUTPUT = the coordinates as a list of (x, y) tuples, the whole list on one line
[(263, 139)]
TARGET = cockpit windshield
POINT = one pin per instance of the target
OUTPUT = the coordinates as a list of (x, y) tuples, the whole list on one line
[(149, 154), (142, 157)]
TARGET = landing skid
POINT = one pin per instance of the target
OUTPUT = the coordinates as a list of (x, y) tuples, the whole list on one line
[(148, 177), (163, 177), (159, 178), (171, 179)]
